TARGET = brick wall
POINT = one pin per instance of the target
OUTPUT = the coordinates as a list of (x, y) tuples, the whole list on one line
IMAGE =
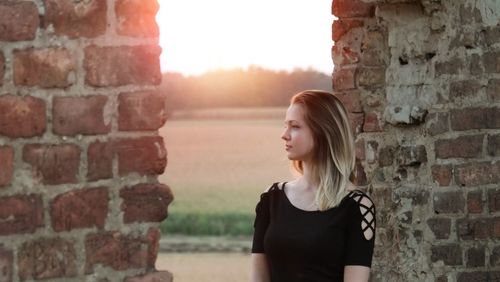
[(421, 79), (79, 147)]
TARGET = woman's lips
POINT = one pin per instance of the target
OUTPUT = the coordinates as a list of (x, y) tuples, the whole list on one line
[(287, 147)]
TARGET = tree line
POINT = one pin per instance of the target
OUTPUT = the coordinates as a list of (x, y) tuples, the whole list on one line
[(251, 87)]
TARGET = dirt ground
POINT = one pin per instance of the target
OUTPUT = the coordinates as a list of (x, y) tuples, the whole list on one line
[(197, 267)]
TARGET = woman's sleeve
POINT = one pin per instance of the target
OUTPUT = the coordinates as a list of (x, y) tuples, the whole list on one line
[(261, 222), (361, 231)]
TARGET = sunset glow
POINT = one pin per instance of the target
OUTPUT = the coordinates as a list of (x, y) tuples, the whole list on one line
[(199, 35)]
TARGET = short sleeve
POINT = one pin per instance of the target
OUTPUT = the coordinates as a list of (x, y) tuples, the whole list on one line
[(261, 222), (361, 231)]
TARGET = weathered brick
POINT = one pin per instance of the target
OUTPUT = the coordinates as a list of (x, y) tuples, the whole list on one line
[(115, 66), (478, 276), (411, 155), (100, 160), (462, 147), (79, 115), (146, 156), (76, 18), (357, 120), (475, 229), (469, 14), (343, 26), (351, 101), (491, 61), (145, 202), (344, 79), (386, 156), (18, 20), (440, 227), (372, 122), (450, 254), (47, 258), (452, 66), (6, 265), (141, 111), (477, 173), (83, 208), (449, 202), (344, 55), (115, 250), (45, 67), (371, 151), (137, 18), (6, 165), (495, 256), (492, 35), (493, 147), (464, 89), (493, 90), (352, 8), (372, 77), (476, 64), (360, 148), (475, 202), (475, 257), (437, 123), (20, 214), (494, 200), (475, 118), (153, 237), (442, 174), (53, 164), (359, 174), (22, 116), (163, 276), (374, 49), (2, 67)]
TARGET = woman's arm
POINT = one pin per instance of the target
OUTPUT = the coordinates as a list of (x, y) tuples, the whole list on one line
[(356, 273), (259, 271)]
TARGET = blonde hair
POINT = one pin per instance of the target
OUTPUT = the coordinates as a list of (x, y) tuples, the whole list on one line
[(333, 157)]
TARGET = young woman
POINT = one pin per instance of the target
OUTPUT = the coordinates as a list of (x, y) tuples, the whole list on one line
[(318, 227)]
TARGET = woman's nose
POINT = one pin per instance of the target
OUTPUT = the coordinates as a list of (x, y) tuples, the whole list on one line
[(285, 136)]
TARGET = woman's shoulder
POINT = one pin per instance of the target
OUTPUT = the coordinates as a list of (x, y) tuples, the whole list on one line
[(276, 186)]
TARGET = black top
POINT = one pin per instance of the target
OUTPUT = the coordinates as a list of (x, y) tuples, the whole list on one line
[(313, 246)]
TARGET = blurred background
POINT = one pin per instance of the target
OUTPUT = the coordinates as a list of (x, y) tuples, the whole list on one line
[(229, 71)]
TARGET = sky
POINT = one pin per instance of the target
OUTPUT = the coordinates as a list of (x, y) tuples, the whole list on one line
[(200, 35)]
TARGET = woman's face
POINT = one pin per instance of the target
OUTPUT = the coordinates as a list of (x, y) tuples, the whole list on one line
[(298, 136)]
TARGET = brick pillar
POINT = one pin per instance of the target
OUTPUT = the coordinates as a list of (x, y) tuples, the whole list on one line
[(79, 145), (422, 82)]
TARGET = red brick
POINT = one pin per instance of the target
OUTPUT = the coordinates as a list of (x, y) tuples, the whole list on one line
[(344, 79), (493, 147), (440, 227), (461, 147), (372, 123), (115, 250), (137, 18), (22, 116), (351, 101), (115, 66), (475, 257), (141, 111), (6, 165), (18, 20), (477, 173), (46, 68), (6, 265), (360, 148), (449, 202), (145, 202), (47, 258), (373, 77), (442, 174), (464, 89), (450, 254), (100, 161), (475, 118), (163, 276), (145, 156), (83, 208), (343, 26), (411, 155), (153, 238), (474, 229), (494, 200), (437, 123), (80, 115), (359, 174), (20, 214), (495, 257), (352, 8), (2, 67), (76, 18), (356, 120), (344, 55), (53, 164), (475, 202)]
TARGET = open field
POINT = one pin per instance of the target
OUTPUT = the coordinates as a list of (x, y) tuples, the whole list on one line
[(218, 168)]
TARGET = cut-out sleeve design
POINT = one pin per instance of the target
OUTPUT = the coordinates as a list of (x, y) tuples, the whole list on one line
[(361, 230)]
